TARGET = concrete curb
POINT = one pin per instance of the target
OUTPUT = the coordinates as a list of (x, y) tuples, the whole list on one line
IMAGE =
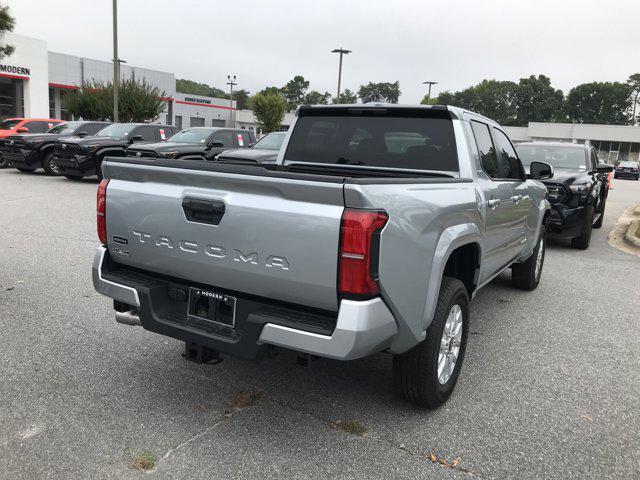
[(632, 235)]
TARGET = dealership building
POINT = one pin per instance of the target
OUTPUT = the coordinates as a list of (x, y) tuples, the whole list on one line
[(34, 81)]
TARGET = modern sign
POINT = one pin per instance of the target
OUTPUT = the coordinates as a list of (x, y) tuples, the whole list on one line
[(197, 100), (15, 70)]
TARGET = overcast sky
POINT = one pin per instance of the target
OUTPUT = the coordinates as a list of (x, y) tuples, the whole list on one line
[(455, 42)]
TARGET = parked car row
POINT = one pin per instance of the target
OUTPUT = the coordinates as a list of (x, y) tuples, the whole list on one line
[(77, 149)]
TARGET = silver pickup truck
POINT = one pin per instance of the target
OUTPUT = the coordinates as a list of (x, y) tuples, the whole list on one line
[(372, 230)]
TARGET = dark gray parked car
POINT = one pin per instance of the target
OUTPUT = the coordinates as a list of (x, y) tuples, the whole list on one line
[(264, 151)]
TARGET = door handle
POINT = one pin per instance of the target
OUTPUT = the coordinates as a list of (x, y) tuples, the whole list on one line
[(494, 202), (516, 198)]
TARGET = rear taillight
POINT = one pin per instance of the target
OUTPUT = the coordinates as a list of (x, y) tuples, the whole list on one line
[(101, 219), (358, 255)]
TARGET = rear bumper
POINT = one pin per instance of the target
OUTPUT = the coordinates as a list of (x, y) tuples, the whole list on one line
[(633, 175), (357, 330)]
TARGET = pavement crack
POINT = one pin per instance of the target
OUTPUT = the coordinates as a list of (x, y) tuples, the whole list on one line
[(223, 418)]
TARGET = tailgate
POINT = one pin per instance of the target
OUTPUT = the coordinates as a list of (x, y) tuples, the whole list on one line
[(256, 234)]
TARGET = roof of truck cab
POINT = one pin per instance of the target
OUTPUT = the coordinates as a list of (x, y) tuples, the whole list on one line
[(456, 112)]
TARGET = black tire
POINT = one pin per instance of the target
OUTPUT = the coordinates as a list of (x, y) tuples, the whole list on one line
[(415, 372), (26, 170), (73, 177), (48, 167), (582, 242), (601, 208), (4, 163), (525, 275)]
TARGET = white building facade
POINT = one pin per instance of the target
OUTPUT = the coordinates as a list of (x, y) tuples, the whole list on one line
[(612, 142)]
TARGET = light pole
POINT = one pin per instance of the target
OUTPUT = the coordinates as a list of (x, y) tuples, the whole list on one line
[(231, 83), (429, 83), (341, 51), (116, 62)]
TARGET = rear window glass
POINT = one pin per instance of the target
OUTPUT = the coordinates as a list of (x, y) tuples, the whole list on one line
[(375, 141)]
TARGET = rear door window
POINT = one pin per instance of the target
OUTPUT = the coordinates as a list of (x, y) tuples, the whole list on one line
[(486, 149), (374, 139), (244, 139), (92, 128), (38, 127)]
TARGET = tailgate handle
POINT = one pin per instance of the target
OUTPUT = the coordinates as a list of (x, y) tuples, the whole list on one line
[(203, 211)]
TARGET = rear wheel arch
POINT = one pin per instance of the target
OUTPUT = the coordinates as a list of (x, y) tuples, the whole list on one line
[(463, 263)]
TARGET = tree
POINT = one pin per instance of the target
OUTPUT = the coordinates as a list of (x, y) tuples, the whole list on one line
[(375, 92), (492, 98), (242, 98), (537, 101), (269, 110), (346, 97), (634, 83), (600, 102), (137, 101), (271, 91), (426, 100), (294, 91), (7, 23), (316, 98), (195, 88)]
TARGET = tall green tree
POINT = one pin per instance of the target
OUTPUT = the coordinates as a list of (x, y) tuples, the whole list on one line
[(242, 98), (195, 88), (374, 92), (346, 96), (294, 91), (7, 23), (634, 82), (316, 98), (537, 101), (137, 101), (269, 110), (600, 102), (272, 91), (492, 98)]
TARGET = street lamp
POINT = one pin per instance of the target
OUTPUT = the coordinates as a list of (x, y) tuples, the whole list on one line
[(231, 83), (341, 51), (430, 84), (116, 62)]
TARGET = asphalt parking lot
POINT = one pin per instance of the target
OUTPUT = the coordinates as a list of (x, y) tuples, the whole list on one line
[(550, 387)]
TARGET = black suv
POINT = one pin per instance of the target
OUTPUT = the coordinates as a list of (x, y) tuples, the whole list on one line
[(577, 191), (627, 170), (30, 151), (82, 157), (196, 143)]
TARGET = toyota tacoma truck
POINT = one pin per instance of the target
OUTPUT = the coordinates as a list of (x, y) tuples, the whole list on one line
[(30, 151), (370, 233), (578, 190), (76, 158), (200, 143)]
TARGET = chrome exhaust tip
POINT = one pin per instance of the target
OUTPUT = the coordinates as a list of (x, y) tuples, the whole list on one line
[(129, 318)]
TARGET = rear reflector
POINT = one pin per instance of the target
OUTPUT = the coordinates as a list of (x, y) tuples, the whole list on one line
[(100, 217), (358, 256)]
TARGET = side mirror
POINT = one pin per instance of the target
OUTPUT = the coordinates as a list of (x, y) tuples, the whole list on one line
[(82, 134), (540, 171), (136, 138), (604, 168), (22, 130), (215, 144)]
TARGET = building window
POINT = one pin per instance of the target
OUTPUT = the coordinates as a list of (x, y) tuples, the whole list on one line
[(52, 103), (178, 123), (196, 122), (634, 152)]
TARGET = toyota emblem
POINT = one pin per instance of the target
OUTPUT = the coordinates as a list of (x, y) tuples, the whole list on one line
[(138, 154)]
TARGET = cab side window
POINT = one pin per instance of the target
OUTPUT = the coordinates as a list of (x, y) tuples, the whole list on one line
[(509, 166), (226, 138), (37, 127), (148, 133), (92, 128), (594, 159), (486, 149)]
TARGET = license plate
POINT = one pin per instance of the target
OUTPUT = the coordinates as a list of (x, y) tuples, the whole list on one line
[(212, 306)]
